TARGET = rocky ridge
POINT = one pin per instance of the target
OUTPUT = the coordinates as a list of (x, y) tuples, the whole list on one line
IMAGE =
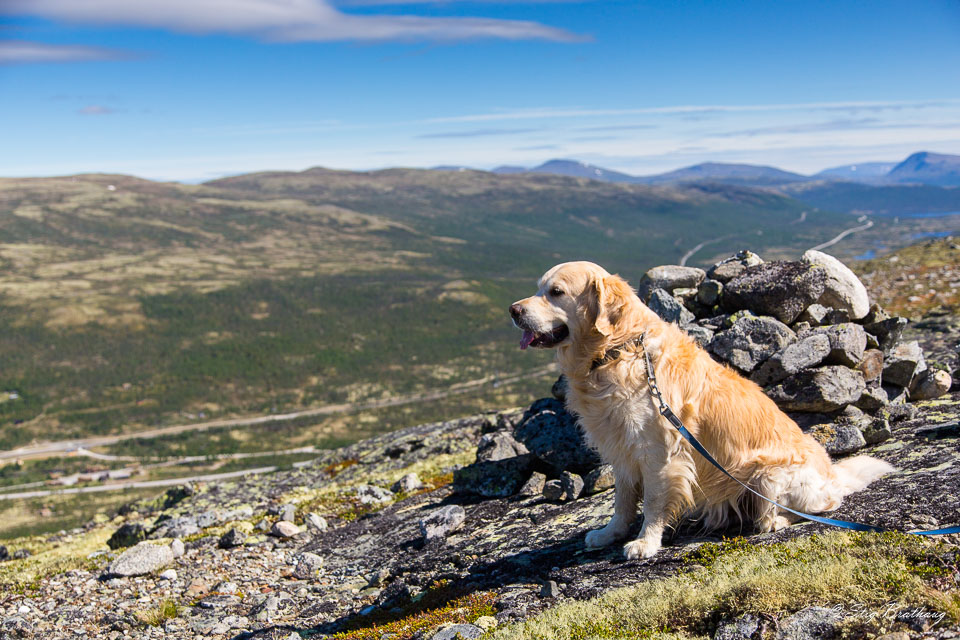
[(475, 527)]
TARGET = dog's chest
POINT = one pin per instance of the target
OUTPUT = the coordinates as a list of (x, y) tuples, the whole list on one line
[(617, 422)]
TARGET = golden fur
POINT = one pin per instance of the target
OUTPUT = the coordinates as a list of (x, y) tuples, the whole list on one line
[(744, 430)]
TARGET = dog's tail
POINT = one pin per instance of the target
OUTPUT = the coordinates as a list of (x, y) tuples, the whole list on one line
[(853, 474)]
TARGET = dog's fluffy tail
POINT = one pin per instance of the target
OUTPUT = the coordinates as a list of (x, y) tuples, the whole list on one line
[(853, 474)]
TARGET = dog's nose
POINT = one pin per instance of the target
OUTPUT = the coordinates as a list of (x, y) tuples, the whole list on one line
[(516, 311)]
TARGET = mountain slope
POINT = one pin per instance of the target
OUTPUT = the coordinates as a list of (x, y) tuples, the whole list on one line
[(739, 174), (935, 169), (869, 172)]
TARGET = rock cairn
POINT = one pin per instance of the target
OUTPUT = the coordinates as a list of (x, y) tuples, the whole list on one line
[(805, 331)]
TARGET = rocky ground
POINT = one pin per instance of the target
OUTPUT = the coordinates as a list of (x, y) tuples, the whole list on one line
[(475, 527)]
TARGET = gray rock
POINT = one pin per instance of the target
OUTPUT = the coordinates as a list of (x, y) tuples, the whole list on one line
[(177, 547), (709, 292), (315, 522), (534, 485), (308, 566), (442, 521), (848, 342), (458, 632), (812, 623), (288, 512), (4, 554), (779, 289), (550, 589), (669, 277), (499, 445), (750, 341), (600, 479), (284, 529), (902, 363), (493, 478), (231, 539), (743, 628), (127, 535), (838, 316), (877, 431), (406, 484), (895, 395), (803, 354), (371, 494), (142, 559), (208, 518), (871, 365), (669, 308), (842, 288), (838, 438), (701, 335), (820, 389), (552, 434), (887, 331), (815, 315), (179, 527), (872, 398), (729, 268), (930, 384), (396, 594), (553, 490)]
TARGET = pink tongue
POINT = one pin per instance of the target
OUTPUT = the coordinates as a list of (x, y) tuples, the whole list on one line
[(528, 337)]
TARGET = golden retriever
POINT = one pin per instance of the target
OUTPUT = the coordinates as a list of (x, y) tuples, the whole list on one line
[(586, 313)]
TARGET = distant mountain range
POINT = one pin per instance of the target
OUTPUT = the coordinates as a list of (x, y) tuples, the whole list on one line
[(923, 168)]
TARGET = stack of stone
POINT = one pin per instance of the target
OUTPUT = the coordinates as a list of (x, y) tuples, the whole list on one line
[(806, 332)]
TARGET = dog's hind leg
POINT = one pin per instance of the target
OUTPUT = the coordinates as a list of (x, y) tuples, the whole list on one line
[(624, 511)]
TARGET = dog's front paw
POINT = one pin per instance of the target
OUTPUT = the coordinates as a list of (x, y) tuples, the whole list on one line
[(600, 538), (640, 548)]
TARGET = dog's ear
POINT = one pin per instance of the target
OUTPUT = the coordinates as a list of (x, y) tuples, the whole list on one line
[(613, 294)]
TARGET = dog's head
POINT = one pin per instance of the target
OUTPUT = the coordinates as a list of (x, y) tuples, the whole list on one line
[(575, 302)]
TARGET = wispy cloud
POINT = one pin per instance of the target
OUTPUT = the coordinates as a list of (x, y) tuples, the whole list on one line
[(619, 127), (282, 20), (540, 147), (476, 133), (548, 112), (26, 52), (96, 110)]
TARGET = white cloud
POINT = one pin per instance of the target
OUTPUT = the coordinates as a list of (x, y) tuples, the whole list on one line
[(281, 20), (25, 52)]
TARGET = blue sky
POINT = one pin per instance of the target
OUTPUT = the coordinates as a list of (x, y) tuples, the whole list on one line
[(195, 89)]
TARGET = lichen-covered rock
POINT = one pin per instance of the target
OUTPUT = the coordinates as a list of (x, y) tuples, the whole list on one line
[(493, 478), (709, 291), (552, 434), (842, 288), (668, 308), (803, 354), (902, 363), (142, 559), (872, 398), (743, 628), (442, 522), (812, 623), (871, 365), (499, 445), (600, 479), (814, 315), (750, 341), (779, 289), (848, 342), (701, 335), (838, 438), (372, 494), (407, 483), (669, 277), (534, 485), (307, 566), (821, 389)]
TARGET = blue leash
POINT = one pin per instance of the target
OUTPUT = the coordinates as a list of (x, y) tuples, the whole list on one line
[(668, 413)]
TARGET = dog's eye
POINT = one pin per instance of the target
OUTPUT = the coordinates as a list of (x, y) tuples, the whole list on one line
[(556, 292)]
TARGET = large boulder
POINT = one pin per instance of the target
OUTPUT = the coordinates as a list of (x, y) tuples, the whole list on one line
[(842, 288), (930, 384), (819, 390), (493, 478), (669, 277), (794, 358), (552, 434), (779, 289), (144, 558), (442, 521), (750, 341)]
